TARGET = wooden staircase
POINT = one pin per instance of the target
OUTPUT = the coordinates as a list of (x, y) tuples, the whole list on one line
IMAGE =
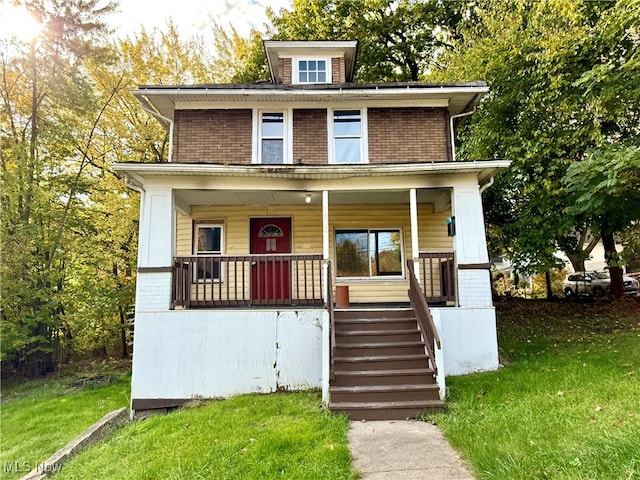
[(382, 370)]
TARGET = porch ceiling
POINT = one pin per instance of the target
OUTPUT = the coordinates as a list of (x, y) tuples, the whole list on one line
[(189, 198)]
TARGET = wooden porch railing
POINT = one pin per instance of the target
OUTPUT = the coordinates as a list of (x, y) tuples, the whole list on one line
[(438, 275), (332, 323), (425, 321), (209, 281)]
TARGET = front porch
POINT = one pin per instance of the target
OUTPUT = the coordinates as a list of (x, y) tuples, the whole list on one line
[(288, 280)]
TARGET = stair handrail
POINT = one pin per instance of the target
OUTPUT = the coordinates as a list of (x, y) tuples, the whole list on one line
[(420, 307), (332, 323)]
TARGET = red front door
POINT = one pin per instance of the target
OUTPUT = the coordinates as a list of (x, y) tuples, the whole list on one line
[(270, 271)]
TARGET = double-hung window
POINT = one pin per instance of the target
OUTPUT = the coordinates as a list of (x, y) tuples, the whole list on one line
[(208, 243), (347, 136), (312, 71), (272, 134), (369, 253)]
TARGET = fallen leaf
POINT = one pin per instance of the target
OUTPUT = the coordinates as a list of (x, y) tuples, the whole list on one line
[(598, 408), (560, 393)]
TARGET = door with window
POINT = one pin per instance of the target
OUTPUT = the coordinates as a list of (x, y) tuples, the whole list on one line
[(270, 271)]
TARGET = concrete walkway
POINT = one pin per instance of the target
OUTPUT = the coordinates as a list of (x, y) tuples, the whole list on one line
[(404, 450)]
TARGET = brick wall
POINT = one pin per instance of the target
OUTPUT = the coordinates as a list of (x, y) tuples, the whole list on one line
[(408, 135), (153, 291), (310, 136), (284, 71), (338, 70), (474, 288), (212, 136)]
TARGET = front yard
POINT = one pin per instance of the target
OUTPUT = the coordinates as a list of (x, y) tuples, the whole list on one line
[(566, 405)]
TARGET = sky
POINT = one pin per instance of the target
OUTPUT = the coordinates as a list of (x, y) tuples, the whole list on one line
[(194, 16)]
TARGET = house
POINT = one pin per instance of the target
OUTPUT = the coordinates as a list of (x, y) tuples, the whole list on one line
[(296, 233)]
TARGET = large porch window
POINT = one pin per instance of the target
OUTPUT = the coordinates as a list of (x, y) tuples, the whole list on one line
[(208, 241), (369, 253)]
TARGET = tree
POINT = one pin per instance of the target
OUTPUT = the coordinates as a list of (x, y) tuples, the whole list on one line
[(46, 102), (399, 40), (544, 113), (606, 188)]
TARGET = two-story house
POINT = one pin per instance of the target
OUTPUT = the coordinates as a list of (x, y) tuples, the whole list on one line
[(297, 232)]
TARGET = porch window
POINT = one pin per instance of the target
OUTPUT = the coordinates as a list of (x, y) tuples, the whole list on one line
[(312, 71), (272, 138), (208, 241), (369, 253), (347, 136)]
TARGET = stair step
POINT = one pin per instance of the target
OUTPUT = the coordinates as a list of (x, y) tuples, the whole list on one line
[(385, 393), (381, 362), (355, 333), (389, 325), (381, 358), (344, 350), (414, 343), (373, 313), (384, 388), (386, 410)]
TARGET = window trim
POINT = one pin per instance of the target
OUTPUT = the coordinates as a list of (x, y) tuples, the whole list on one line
[(197, 224), (295, 70), (364, 136), (371, 278), (287, 147)]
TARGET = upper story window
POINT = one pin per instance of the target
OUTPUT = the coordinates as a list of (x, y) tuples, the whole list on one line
[(309, 70), (272, 138), (347, 136)]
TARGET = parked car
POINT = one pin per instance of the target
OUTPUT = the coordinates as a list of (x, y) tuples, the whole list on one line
[(595, 283)]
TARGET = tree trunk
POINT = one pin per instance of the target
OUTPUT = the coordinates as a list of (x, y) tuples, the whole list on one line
[(547, 277), (611, 256)]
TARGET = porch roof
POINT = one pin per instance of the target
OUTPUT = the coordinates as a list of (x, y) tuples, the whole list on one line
[(138, 172)]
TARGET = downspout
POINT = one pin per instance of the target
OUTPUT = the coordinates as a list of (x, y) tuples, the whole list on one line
[(487, 185), (146, 106), (453, 137)]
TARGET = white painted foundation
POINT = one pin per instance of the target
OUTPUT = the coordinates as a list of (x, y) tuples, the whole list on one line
[(204, 353), (469, 339)]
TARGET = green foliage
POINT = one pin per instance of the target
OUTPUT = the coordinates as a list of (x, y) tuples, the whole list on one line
[(606, 187), (564, 81)]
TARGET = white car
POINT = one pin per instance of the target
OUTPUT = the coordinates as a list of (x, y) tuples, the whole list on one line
[(595, 283)]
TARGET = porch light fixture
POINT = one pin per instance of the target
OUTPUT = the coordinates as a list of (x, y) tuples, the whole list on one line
[(307, 198)]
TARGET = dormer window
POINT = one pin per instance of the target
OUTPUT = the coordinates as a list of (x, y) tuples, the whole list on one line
[(308, 70)]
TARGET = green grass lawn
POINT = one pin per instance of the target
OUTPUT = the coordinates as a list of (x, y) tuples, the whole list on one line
[(41, 416), (283, 435), (567, 403)]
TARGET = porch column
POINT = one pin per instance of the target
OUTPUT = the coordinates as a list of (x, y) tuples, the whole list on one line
[(325, 238), (155, 249), (415, 247), (326, 340), (472, 257)]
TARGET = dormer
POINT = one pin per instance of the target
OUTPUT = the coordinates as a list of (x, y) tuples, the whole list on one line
[(311, 62)]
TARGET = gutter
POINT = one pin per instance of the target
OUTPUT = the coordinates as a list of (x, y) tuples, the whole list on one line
[(147, 106)]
